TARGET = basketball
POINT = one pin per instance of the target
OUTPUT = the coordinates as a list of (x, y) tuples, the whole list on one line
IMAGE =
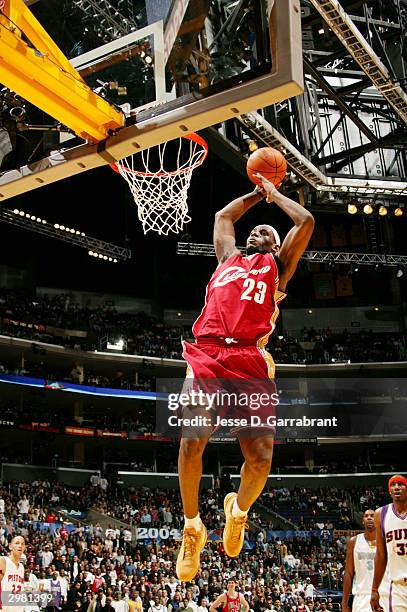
[(268, 162)]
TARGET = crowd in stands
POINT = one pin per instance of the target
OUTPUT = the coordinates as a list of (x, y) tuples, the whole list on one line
[(311, 508), (92, 568), (324, 346), (140, 419), (78, 375), (36, 317)]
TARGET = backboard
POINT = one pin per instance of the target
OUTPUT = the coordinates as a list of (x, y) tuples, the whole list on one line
[(211, 60)]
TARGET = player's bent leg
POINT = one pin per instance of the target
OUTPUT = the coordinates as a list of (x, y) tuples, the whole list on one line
[(190, 473), (194, 535), (258, 454)]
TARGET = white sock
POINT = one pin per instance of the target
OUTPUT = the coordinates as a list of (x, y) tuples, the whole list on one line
[(195, 522), (236, 512)]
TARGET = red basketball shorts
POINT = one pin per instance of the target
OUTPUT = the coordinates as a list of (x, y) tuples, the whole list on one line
[(238, 380)]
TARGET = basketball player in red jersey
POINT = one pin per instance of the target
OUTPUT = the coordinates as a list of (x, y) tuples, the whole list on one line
[(231, 333), (230, 601), (12, 576)]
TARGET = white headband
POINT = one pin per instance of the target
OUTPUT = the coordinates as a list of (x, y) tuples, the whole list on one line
[(275, 234)]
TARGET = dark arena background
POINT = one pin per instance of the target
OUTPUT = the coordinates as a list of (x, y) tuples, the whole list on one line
[(93, 311)]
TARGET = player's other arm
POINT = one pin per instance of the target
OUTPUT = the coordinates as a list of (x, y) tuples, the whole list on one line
[(219, 601), (2, 568), (380, 562), (348, 574), (223, 231), (297, 238)]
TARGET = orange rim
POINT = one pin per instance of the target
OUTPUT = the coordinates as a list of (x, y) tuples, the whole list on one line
[(117, 166)]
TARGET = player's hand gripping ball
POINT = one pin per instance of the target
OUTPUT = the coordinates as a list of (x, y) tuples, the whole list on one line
[(268, 162)]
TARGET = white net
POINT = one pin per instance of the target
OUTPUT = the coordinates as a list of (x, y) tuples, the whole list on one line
[(161, 195)]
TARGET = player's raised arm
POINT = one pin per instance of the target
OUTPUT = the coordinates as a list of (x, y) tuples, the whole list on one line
[(220, 600), (297, 238), (380, 562), (223, 231), (348, 574)]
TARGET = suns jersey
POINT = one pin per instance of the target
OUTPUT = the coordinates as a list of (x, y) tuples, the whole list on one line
[(394, 530), (11, 583), (241, 299), (363, 559)]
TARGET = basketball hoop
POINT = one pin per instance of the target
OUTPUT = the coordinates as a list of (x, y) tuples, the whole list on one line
[(161, 196)]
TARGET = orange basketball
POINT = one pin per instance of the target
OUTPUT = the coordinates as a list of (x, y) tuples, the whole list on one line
[(270, 163)]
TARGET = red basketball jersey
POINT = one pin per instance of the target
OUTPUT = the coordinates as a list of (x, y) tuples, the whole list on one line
[(241, 299), (232, 605)]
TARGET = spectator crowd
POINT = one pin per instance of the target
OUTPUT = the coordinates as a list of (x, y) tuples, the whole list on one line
[(37, 318), (90, 568)]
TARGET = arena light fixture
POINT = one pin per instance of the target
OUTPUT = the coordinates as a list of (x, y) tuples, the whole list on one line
[(398, 212), (368, 209), (400, 272), (24, 220), (383, 211), (339, 257), (352, 208)]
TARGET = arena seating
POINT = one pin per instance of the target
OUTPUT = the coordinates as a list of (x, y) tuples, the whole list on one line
[(28, 316), (93, 562)]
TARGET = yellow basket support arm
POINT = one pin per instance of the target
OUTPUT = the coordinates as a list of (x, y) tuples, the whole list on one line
[(41, 74)]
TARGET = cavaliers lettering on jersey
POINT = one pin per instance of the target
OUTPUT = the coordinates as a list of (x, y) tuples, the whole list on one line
[(394, 530), (232, 604), (241, 300)]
